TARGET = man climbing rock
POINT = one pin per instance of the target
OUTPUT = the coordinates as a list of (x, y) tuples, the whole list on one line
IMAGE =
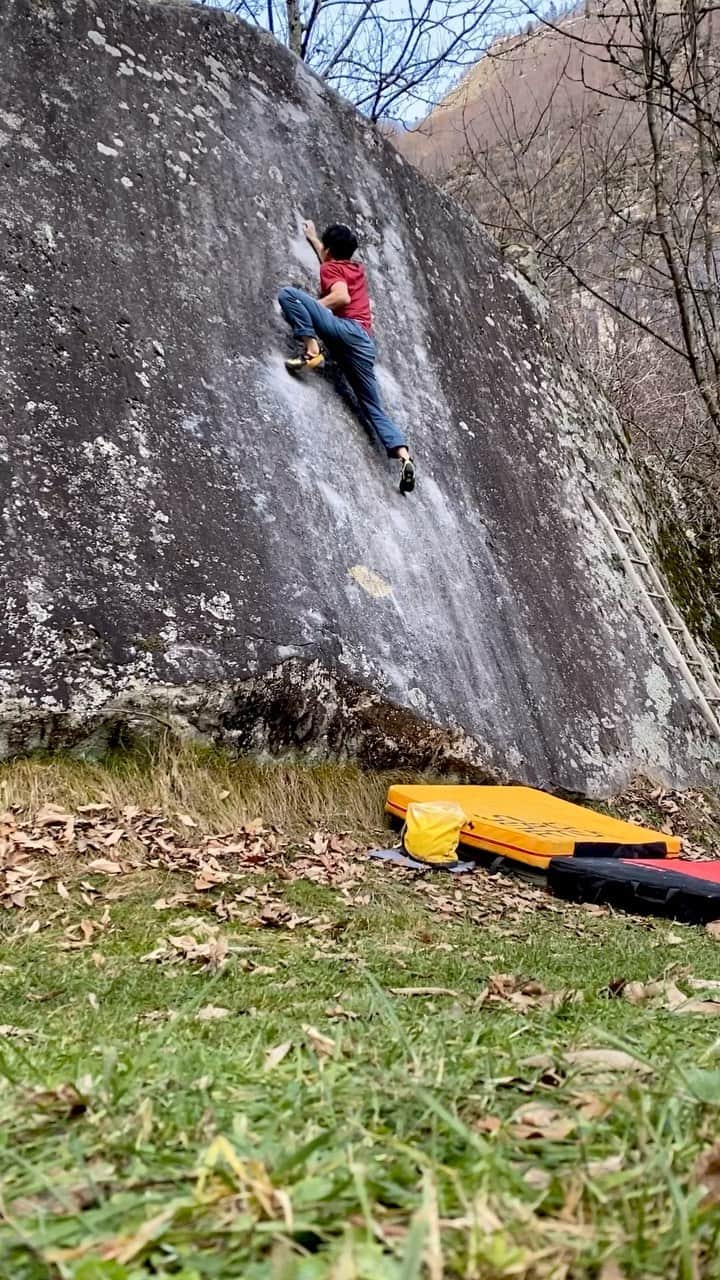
[(342, 319)]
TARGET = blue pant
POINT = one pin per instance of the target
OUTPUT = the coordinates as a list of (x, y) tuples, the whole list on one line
[(354, 349)]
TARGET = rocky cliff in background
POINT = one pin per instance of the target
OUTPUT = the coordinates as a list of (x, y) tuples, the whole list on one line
[(189, 536)]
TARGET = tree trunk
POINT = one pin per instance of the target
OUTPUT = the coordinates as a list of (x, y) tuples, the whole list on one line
[(295, 26)]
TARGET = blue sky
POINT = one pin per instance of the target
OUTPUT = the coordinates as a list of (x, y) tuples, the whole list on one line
[(354, 74)]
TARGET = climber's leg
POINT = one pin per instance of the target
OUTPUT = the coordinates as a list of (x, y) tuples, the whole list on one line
[(360, 357), (360, 360), (308, 321)]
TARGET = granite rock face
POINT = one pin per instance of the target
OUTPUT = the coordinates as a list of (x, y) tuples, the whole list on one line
[(190, 536)]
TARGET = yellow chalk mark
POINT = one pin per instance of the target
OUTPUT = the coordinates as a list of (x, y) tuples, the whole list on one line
[(370, 581)]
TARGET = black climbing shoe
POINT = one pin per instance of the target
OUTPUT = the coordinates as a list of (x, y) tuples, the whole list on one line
[(407, 476)]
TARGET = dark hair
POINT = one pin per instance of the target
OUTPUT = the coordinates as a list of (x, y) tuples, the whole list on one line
[(339, 241)]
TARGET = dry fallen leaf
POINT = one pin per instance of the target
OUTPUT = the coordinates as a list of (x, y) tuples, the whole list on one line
[(50, 815), (324, 1046), (673, 998), (213, 952), (338, 1012), (597, 1061), (423, 991), (176, 900), (639, 992), (274, 1057), (662, 992), (548, 1079), (105, 866), (65, 1100), (81, 935), (277, 915), (539, 1062), (547, 1123), (211, 1013), (707, 1174), (538, 1179), (209, 880), (487, 1124), (522, 993), (158, 1015), (594, 1106), (708, 1007)]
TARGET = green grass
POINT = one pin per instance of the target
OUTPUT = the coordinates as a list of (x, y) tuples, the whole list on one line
[(138, 1140)]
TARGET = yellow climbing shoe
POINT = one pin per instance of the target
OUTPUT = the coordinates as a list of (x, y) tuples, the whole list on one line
[(298, 364)]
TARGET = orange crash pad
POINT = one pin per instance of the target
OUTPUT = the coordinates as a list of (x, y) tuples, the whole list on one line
[(529, 826)]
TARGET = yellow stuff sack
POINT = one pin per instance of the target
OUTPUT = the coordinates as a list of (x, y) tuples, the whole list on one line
[(432, 831)]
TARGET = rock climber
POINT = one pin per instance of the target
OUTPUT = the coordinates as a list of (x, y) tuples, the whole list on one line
[(342, 319)]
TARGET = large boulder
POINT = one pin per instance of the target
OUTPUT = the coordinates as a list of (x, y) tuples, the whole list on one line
[(191, 537)]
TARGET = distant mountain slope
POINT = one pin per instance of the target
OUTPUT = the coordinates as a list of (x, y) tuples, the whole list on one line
[(526, 67)]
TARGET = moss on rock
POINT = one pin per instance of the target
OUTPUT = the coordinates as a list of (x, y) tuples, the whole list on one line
[(691, 563)]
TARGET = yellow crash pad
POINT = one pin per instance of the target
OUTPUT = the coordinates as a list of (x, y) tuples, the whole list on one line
[(528, 826)]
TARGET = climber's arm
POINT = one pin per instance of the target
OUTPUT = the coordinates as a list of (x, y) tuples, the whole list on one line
[(313, 239), (339, 296)]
